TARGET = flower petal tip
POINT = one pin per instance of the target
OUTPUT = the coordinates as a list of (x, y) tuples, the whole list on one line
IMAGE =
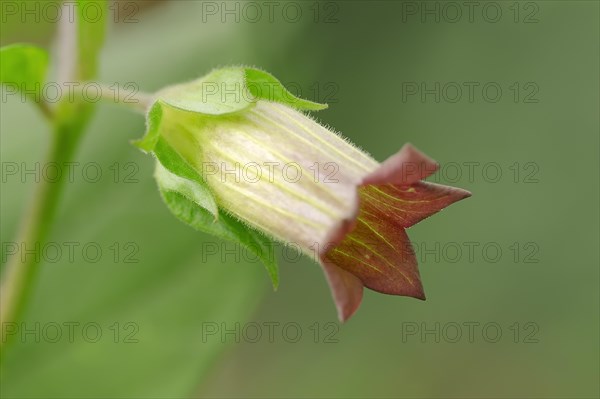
[(464, 193), (346, 290), (419, 294), (406, 167)]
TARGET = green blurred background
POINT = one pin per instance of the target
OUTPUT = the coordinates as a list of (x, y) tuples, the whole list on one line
[(361, 57)]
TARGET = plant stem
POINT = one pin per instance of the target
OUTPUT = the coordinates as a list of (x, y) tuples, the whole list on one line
[(79, 44), (136, 100), (22, 268)]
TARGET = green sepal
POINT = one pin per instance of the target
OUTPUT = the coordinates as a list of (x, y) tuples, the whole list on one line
[(172, 161), (232, 89), (194, 191), (222, 91), (266, 86), (183, 199), (153, 119)]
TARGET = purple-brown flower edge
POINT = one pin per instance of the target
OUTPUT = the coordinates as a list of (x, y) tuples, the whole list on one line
[(373, 250)]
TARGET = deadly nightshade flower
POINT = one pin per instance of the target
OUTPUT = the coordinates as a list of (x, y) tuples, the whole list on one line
[(238, 158)]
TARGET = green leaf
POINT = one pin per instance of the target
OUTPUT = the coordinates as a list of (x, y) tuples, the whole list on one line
[(24, 67), (264, 85), (186, 200), (91, 28)]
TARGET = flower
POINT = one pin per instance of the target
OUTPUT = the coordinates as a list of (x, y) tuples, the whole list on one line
[(260, 160)]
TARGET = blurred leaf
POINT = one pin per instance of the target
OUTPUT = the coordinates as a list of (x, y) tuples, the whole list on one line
[(160, 287), (23, 67)]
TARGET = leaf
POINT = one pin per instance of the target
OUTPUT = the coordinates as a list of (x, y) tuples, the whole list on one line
[(187, 201), (23, 67)]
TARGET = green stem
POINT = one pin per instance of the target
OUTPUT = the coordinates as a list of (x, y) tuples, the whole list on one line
[(138, 101), (22, 268), (79, 42)]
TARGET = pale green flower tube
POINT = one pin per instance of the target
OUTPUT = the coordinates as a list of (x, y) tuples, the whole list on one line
[(277, 170)]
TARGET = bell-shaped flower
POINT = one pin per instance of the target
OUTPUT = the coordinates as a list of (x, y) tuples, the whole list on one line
[(237, 157)]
